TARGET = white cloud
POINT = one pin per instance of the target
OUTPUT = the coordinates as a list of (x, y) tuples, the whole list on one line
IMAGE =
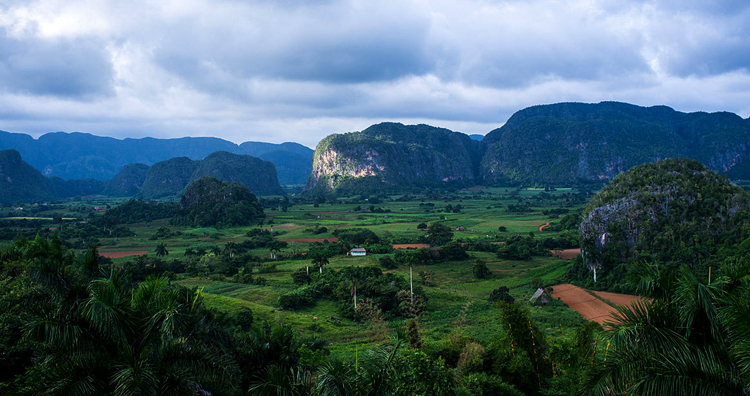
[(299, 70)]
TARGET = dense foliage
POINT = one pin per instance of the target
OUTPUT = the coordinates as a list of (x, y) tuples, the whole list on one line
[(138, 211), (210, 202), (670, 212), (569, 143)]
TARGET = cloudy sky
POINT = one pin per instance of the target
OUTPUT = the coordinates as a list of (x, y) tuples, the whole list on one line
[(298, 70)]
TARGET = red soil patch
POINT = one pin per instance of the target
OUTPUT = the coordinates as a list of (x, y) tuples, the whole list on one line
[(590, 307), (310, 239), (566, 254), (410, 246), (618, 299), (542, 226), (123, 253)]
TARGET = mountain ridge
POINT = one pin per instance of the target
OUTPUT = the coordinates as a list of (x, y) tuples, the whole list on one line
[(79, 155)]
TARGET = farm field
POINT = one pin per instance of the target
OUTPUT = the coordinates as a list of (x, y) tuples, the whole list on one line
[(456, 300)]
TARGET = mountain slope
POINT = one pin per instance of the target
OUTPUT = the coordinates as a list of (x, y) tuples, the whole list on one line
[(169, 178), (82, 155), (394, 156), (567, 143), (20, 181)]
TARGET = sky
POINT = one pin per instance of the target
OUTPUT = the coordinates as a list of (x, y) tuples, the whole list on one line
[(299, 70)]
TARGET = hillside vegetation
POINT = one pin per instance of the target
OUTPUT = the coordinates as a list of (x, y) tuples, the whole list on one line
[(567, 143), (671, 213), (210, 202), (82, 155), (392, 156)]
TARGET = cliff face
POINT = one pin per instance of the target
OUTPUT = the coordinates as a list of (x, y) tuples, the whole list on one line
[(394, 156), (574, 142)]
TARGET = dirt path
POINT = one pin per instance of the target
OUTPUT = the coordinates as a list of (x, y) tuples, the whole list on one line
[(590, 307), (410, 246), (566, 253), (310, 239), (617, 299), (541, 227), (123, 253)]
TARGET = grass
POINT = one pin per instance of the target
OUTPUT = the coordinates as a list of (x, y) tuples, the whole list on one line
[(452, 291)]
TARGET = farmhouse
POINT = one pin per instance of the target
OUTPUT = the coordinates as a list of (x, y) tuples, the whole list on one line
[(358, 252)]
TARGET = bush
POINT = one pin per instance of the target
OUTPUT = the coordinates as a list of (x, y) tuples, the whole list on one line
[(501, 294), (481, 271), (298, 298), (387, 262)]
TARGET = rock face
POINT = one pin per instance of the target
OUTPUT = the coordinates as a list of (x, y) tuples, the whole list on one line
[(394, 156), (169, 178), (568, 143)]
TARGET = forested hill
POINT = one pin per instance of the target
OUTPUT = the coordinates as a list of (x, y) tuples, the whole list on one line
[(393, 155), (19, 181), (82, 155), (571, 142), (169, 178)]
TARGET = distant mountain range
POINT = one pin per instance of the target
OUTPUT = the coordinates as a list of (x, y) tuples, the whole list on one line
[(571, 142), (556, 145), (21, 181), (82, 155)]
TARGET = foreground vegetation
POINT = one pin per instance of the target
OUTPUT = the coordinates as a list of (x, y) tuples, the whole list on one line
[(279, 307)]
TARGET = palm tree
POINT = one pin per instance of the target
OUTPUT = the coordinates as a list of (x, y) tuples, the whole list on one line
[(320, 260), (161, 250), (158, 340), (691, 338)]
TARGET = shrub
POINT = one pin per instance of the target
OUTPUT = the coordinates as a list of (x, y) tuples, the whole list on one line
[(481, 271)]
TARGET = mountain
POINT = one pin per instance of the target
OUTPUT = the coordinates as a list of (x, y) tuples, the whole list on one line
[(169, 178), (128, 182), (21, 181), (669, 213), (209, 202), (476, 137), (567, 143), (394, 156), (82, 155)]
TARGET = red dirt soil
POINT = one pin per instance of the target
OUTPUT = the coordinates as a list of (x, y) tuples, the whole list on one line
[(541, 227), (123, 253), (617, 299), (310, 239), (410, 246), (566, 253), (590, 307)]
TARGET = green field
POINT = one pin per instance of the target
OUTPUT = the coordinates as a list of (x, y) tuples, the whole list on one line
[(456, 300)]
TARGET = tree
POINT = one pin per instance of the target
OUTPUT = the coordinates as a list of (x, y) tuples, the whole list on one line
[(320, 260), (121, 343), (691, 338), (161, 250), (439, 234), (481, 271)]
